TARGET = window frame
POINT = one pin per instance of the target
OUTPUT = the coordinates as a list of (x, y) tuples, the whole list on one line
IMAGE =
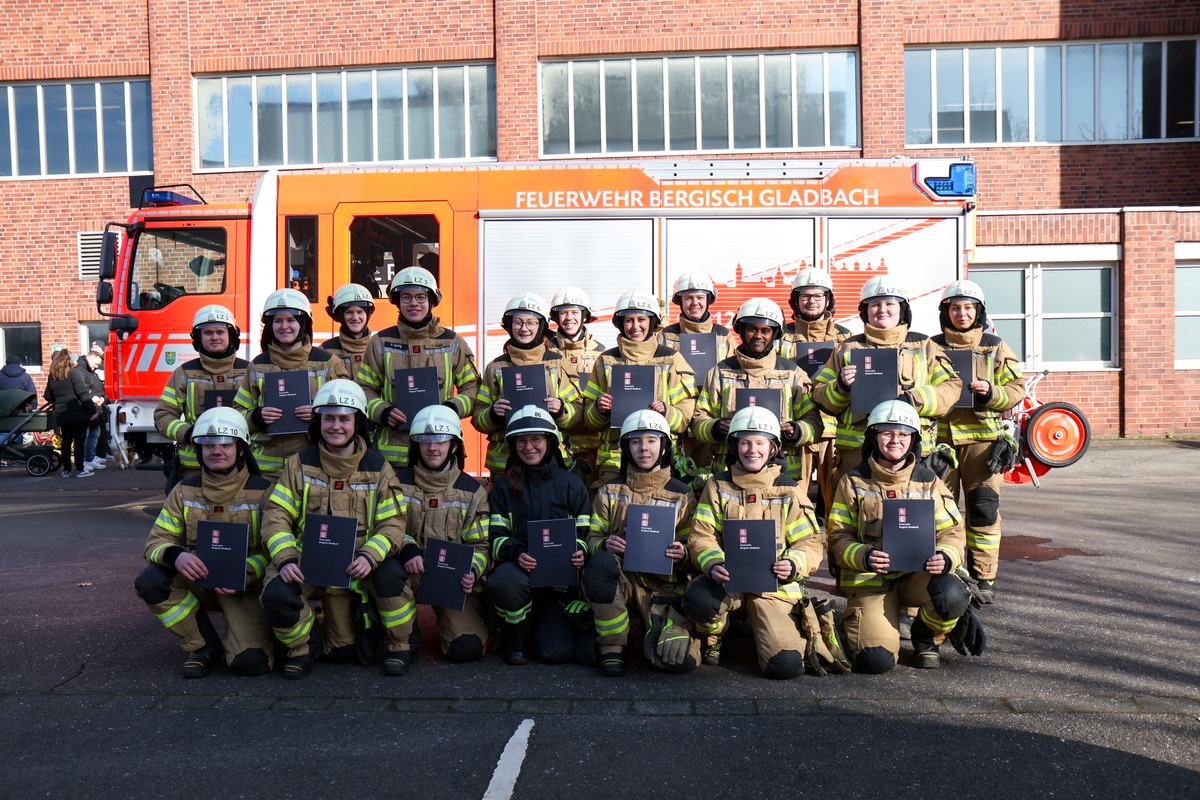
[(1187, 256), (32, 369)]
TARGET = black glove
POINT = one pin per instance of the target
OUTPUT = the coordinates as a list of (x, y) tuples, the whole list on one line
[(968, 635), (941, 460), (972, 586), (1003, 456)]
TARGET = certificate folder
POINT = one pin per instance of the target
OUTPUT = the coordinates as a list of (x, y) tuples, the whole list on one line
[(524, 386), (552, 543), (328, 549), (632, 390), (649, 531), (877, 379), (699, 350), (909, 536), (414, 389), (445, 565), (812, 356), (770, 399), (750, 554), (219, 398), (964, 364), (223, 547), (286, 391)]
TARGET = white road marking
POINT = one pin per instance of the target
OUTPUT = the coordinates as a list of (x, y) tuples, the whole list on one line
[(508, 767)]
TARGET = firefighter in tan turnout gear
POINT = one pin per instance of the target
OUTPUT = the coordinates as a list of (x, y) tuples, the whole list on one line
[(637, 316), (416, 340), (338, 476), (571, 310), (754, 487), (996, 386), (444, 503), (525, 319), (197, 385), (876, 595), (351, 306), (229, 489), (612, 590)]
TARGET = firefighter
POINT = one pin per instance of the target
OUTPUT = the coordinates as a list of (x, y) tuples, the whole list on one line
[(342, 476), (927, 380), (754, 487), (975, 432), (216, 368), (756, 364), (813, 309), (525, 319), (286, 346), (876, 596), (571, 310), (416, 340), (351, 306), (444, 503), (535, 486), (637, 317), (645, 479), (228, 488)]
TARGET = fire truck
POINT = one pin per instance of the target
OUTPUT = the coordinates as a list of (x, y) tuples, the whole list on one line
[(490, 231)]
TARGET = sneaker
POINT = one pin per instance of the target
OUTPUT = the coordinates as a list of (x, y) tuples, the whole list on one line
[(66, 473), (84, 473), (96, 463), (397, 664)]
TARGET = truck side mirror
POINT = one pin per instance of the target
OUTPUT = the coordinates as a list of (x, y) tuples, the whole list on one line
[(104, 293), (108, 257)]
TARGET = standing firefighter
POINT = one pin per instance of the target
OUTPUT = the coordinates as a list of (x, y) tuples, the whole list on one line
[(645, 479), (975, 432), (416, 340), (875, 595), (352, 307), (228, 488), (338, 476), (217, 368), (571, 310)]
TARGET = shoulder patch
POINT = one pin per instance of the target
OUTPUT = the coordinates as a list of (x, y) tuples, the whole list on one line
[(258, 483), (194, 481), (332, 344), (923, 474), (730, 363), (407, 475), (913, 336), (310, 456), (990, 340), (786, 363), (240, 363), (466, 483), (372, 461), (447, 334), (940, 340), (678, 487), (195, 363), (262, 359), (320, 354), (863, 470), (664, 352)]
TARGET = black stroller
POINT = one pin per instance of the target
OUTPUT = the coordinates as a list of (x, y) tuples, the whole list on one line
[(19, 420)]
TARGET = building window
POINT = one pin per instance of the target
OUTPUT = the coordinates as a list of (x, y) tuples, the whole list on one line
[(78, 128), (711, 103), (1052, 315), (23, 341), (351, 116), (92, 332), (1086, 92), (1187, 314)]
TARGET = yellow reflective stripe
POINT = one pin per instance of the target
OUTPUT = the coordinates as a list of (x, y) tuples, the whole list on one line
[(379, 545), (704, 513), (398, 616), (855, 555), (297, 632), (479, 562), (168, 522), (257, 563), (983, 541), (279, 542), (935, 623), (514, 617), (283, 497), (614, 626), (709, 557), (179, 611)]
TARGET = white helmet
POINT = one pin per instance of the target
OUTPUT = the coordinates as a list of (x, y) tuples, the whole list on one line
[(694, 282), (760, 311), (220, 425), (214, 315), (339, 396), (883, 286), (755, 421), (351, 296), (435, 424), (808, 278), (897, 413), (531, 419), (645, 420), (572, 296), (415, 278), (963, 290), (529, 303), (290, 301), (636, 302)]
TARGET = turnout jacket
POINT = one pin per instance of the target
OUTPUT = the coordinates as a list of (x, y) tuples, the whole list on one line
[(718, 399), (403, 347), (579, 356), (550, 492), (674, 385), (657, 488), (491, 389), (669, 335), (856, 520), (236, 497), (927, 381), (996, 363), (799, 331), (449, 505), (321, 366), (349, 350), (182, 400), (767, 494), (361, 485)]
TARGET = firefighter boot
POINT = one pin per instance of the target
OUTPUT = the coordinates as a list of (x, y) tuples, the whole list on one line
[(198, 664), (925, 651)]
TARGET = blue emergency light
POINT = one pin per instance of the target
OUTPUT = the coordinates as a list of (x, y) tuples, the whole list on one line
[(961, 182), (155, 198)]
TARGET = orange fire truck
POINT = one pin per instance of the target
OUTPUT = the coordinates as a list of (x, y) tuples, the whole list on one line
[(499, 229)]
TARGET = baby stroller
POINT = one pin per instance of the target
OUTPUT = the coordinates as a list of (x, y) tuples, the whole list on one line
[(18, 426)]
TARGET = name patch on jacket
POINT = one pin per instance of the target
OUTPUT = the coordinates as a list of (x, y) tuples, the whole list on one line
[(220, 379), (751, 498), (433, 503), (891, 494), (339, 484)]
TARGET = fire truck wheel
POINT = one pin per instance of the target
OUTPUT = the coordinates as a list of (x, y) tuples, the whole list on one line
[(1057, 434)]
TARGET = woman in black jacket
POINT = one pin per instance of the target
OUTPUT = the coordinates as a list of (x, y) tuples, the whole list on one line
[(74, 407)]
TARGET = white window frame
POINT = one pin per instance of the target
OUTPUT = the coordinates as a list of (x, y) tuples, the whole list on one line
[(33, 369), (1033, 262), (1187, 256)]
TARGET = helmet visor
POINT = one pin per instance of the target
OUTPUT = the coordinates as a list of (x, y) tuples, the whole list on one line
[(214, 439), (431, 437), (335, 410)]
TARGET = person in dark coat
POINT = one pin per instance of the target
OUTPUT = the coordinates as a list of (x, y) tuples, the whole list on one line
[(74, 407), (89, 363), (14, 378)]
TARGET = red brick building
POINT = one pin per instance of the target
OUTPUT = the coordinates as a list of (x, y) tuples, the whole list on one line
[(1082, 116)]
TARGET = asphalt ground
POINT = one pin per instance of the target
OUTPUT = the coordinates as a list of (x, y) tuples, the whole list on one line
[(1090, 686)]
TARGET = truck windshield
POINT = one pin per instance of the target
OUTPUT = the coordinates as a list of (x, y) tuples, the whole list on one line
[(171, 263)]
